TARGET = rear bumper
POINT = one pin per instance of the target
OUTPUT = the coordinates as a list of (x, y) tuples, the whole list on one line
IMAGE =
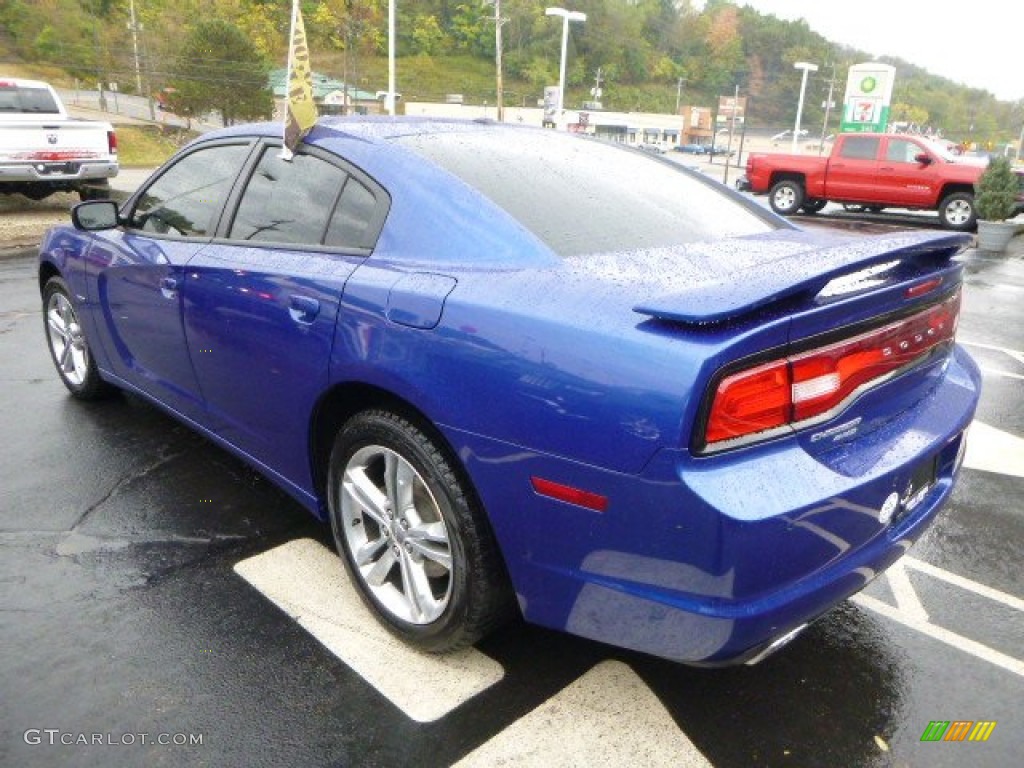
[(58, 172), (710, 561)]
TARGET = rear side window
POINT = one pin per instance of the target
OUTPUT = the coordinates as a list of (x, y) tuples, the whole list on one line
[(352, 225), (187, 198), (584, 196), (860, 147), (22, 99), (288, 201)]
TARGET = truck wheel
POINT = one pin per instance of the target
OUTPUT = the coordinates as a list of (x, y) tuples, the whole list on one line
[(786, 197), (37, 191), (956, 211), (95, 190), (813, 206)]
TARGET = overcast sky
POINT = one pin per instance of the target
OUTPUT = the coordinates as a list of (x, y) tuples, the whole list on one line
[(976, 42)]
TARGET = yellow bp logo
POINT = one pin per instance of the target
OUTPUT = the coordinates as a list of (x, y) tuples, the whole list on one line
[(868, 84)]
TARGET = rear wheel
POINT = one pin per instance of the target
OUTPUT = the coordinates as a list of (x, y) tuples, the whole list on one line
[(813, 206), (94, 190), (414, 542), (956, 211), (786, 197), (68, 346)]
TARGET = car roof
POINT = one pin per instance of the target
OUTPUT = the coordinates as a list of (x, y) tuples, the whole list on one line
[(372, 129)]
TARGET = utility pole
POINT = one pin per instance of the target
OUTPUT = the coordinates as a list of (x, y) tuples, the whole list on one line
[(135, 46), (499, 76), (679, 92), (732, 130), (596, 91), (828, 108)]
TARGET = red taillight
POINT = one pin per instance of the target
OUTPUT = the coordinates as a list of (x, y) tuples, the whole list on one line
[(810, 384), (751, 401), (112, 142)]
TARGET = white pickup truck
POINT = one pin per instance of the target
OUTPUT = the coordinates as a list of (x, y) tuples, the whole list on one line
[(43, 151)]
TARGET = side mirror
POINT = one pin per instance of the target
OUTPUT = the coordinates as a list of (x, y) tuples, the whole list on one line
[(923, 158), (95, 215)]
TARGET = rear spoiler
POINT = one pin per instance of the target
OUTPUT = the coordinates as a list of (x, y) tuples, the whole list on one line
[(804, 274)]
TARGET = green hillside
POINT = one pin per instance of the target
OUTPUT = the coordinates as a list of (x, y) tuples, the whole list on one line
[(647, 51)]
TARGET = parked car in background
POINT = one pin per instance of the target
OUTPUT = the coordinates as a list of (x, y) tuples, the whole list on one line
[(872, 172), (43, 150), (522, 371), (691, 149), (717, 150)]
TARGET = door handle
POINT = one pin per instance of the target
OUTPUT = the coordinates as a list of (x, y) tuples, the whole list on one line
[(303, 309), (169, 287)]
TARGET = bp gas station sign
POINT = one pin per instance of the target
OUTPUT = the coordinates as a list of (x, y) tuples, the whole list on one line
[(868, 98)]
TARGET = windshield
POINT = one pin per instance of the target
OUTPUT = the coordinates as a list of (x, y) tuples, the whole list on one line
[(16, 98), (588, 196)]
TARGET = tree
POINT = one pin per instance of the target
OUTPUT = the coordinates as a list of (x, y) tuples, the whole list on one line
[(220, 69)]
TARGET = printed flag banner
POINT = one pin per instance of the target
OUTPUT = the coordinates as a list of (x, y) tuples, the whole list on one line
[(300, 109)]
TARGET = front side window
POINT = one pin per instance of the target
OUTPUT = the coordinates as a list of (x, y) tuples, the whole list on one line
[(902, 151), (860, 147), (288, 201), (187, 198)]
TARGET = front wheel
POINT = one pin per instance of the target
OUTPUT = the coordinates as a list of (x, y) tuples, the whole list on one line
[(786, 197), (414, 541), (956, 211), (68, 346)]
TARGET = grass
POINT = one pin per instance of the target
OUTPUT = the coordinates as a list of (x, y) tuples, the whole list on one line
[(147, 146)]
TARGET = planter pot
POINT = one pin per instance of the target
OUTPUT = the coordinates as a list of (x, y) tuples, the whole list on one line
[(995, 235)]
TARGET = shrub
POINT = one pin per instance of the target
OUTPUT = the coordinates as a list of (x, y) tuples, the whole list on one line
[(996, 191)]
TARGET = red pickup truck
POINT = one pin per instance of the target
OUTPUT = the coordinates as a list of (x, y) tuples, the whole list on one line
[(873, 170)]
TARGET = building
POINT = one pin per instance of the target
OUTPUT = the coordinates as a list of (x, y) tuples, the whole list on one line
[(635, 129), (330, 95)]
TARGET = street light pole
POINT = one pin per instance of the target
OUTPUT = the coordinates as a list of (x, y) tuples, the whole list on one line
[(567, 16), (806, 67), (389, 100)]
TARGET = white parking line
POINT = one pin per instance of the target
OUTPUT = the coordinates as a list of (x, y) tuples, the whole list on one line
[(608, 717), (910, 612), (308, 582), (1014, 353), (1001, 373), (993, 450), (966, 584)]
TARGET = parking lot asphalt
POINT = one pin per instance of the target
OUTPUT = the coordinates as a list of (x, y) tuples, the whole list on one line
[(162, 604)]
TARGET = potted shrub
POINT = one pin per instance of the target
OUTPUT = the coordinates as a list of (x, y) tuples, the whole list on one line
[(995, 195)]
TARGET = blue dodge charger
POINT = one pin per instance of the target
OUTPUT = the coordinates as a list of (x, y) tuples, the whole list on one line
[(522, 372)]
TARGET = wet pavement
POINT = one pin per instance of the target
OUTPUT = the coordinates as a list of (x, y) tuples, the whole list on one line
[(145, 598)]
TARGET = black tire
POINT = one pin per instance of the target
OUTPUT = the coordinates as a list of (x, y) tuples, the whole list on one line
[(875, 208), (69, 349), (384, 539), (786, 197), (94, 190), (957, 212), (813, 206)]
